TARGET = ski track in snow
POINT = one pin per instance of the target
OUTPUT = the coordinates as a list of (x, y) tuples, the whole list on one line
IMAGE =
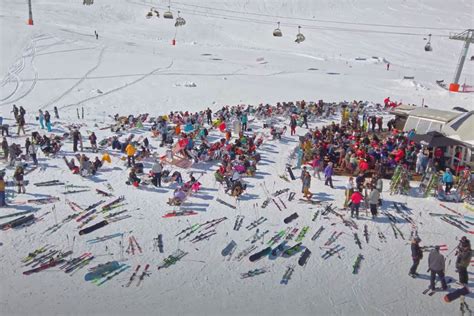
[(97, 65), (120, 87)]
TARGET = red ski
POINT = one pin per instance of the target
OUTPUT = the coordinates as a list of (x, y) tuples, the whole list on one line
[(179, 213), (50, 264)]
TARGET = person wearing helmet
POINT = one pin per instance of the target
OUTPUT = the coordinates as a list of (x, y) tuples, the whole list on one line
[(416, 255), (463, 259)]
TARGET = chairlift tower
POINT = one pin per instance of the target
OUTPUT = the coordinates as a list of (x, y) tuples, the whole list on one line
[(467, 37)]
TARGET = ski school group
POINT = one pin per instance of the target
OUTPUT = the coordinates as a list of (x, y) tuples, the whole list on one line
[(358, 147)]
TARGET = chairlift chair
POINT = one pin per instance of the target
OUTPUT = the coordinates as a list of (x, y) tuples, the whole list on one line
[(299, 37), (277, 32), (179, 21), (428, 47), (168, 14), (157, 13)]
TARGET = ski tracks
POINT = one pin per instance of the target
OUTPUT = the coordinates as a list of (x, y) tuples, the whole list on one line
[(16, 69), (120, 87), (99, 61)]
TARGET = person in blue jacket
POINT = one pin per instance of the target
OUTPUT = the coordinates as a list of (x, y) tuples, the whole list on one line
[(448, 180), (244, 120)]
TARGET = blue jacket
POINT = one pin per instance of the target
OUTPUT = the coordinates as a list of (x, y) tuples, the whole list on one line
[(447, 177)]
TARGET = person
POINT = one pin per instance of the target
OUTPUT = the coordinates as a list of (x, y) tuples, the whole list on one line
[(27, 146), (416, 255), (420, 162), (2, 190), (209, 116), (19, 177), (293, 125), (5, 148), (436, 267), (133, 178), (96, 35), (305, 119), (356, 198), (374, 197), (349, 190), (32, 150), (328, 172), (316, 164), (130, 150), (47, 120), (93, 140), (379, 187), (463, 260), (156, 171), (448, 180), (388, 66), (75, 139), (244, 119), (21, 124), (56, 113), (306, 185), (41, 118)]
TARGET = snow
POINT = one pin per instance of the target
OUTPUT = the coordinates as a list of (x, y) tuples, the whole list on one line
[(226, 59)]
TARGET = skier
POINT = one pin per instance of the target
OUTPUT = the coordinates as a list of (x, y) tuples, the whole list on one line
[(209, 116), (93, 140), (156, 171), (32, 150), (133, 178), (27, 146), (2, 191), (75, 139), (21, 124), (374, 198), (416, 255), (306, 185), (436, 266), (448, 180), (5, 148), (356, 198), (15, 112), (328, 172), (130, 150), (388, 66), (96, 35), (463, 260), (293, 125), (56, 113), (349, 191), (420, 162), (244, 119), (47, 120), (19, 177), (41, 119)]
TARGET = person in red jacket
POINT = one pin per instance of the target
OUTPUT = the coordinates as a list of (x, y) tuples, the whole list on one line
[(399, 155), (356, 198)]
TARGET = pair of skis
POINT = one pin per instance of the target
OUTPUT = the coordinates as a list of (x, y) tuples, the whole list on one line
[(142, 276)]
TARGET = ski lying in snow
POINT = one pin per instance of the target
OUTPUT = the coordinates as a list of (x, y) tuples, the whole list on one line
[(278, 250), (49, 183), (431, 293), (313, 202), (332, 251), (302, 234), (318, 233), (143, 275), (277, 237), (287, 275), (292, 233), (238, 222), (226, 203), (103, 193), (366, 233), (172, 259), (292, 250), (253, 273), (179, 213), (244, 253), (113, 202), (133, 276), (255, 223), (357, 241), (356, 266)]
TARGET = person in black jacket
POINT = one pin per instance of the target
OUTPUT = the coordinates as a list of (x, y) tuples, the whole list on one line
[(416, 255)]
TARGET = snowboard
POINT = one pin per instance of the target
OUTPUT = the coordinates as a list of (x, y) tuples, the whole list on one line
[(228, 249), (290, 172), (259, 255), (456, 294), (290, 218), (304, 257)]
